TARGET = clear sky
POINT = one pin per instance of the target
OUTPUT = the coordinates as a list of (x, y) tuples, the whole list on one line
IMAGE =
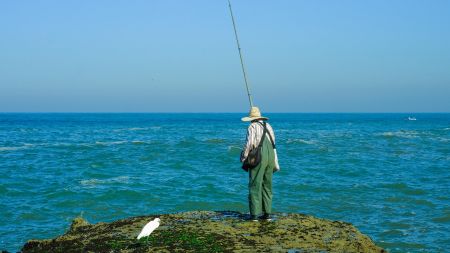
[(181, 56)]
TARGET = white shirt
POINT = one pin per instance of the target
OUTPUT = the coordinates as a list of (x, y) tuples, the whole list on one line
[(254, 136)]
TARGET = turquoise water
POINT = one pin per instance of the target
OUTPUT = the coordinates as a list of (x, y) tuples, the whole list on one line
[(387, 175)]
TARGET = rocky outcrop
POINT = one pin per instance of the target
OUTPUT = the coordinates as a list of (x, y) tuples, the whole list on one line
[(205, 231)]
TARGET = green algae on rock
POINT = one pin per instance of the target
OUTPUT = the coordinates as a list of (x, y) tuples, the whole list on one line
[(208, 231)]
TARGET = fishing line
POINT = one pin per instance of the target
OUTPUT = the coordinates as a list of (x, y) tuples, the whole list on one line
[(240, 55)]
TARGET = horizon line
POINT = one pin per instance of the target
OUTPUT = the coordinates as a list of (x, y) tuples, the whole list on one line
[(200, 112)]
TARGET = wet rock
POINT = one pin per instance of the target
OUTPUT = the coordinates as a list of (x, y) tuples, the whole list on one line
[(78, 223), (207, 231)]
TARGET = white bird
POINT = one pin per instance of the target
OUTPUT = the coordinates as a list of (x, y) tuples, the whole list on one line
[(148, 228)]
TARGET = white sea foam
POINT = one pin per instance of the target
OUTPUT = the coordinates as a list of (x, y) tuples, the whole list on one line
[(63, 144), (129, 129), (234, 147), (138, 142), (25, 146), (108, 143), (401, 134), (10, 148), (137, 129), (115, 180), (442, 139), (302, 141)]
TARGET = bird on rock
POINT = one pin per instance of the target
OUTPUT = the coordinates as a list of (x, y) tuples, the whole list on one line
[(148, 228)]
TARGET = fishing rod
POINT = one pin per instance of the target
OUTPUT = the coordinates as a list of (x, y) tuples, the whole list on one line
[(240, 55)]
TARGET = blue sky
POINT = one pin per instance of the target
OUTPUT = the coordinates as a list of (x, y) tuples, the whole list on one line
[(181, 56)]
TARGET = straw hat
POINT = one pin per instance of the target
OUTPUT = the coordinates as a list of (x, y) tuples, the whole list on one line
[(254, 114)]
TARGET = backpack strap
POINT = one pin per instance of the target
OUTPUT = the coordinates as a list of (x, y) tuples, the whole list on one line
[(264, 135), (271, 140)]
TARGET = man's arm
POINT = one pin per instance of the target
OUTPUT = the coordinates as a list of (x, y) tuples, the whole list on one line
[(248, 143), (277, 165)]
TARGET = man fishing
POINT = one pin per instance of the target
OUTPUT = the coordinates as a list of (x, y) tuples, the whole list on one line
[(260, 135)]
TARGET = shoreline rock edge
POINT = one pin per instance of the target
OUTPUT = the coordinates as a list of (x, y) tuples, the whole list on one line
[(210, 231)]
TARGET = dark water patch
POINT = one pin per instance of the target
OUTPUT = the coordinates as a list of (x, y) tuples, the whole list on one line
[(59, 193), (34, 216), (445, 218), (150, 157), (3, 190), (442, 241), (69, 203), (195, 205), (215, 140), (398, 225), (139, 143), (411, 201), (88, 175), (319, 150), (404, 188), (118, 194), (392, 233), (186, 143), (401, 246), (422, 202), (443, 198)]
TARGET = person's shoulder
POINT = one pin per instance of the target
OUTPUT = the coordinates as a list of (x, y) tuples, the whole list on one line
[(268, 125), (252, 125)]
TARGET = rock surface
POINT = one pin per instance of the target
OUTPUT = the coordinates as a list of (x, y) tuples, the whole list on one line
[(206, 231)]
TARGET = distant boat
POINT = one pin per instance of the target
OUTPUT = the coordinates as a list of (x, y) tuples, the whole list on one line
[(412, 118)]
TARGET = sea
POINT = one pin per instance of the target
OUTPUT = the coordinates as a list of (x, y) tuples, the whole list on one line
[(387, 174)]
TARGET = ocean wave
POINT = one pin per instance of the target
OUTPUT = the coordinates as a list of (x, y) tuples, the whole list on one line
[(445, 218), (400, 134), (137, 129), (130, 129), (87, 144), (115, 180), (234, 149), (405, 188), (25, 146), (443, 139), (10, 148), (108, 143), (301, 141), (66, 144), (215, 140), (138, 142)]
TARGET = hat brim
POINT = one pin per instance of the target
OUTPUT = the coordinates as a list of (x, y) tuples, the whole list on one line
[(246, 119)]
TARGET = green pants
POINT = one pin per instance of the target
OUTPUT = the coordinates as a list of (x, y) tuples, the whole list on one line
[(260, 182)]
